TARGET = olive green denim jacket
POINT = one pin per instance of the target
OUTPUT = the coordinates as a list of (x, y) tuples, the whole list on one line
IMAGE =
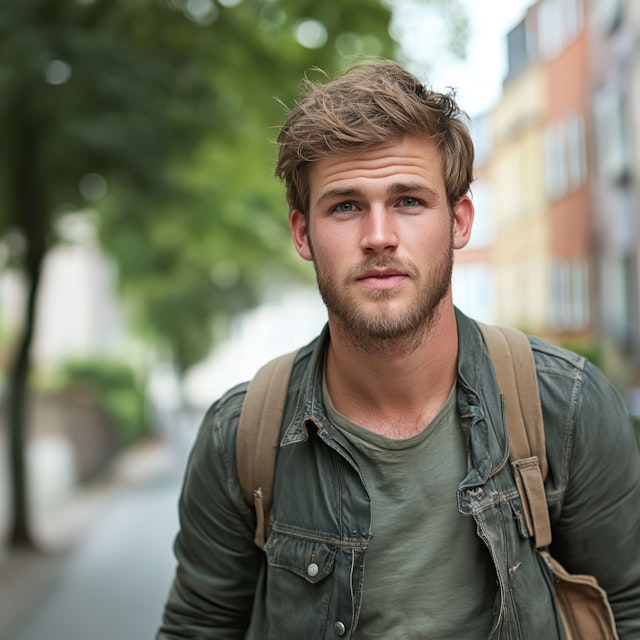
[(225, 587)]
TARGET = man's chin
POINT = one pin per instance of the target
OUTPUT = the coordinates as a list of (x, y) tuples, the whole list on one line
[(382, 327), (381, 294)]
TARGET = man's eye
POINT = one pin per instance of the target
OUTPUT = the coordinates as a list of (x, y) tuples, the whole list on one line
[(408, 201), (345, 207)]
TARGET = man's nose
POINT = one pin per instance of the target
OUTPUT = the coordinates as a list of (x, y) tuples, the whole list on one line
[(379, 233)]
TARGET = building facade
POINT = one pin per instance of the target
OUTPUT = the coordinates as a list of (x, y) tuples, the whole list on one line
[(563, 170), (615, 185)]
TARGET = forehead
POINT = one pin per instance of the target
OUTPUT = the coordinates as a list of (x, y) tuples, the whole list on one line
[(410, 159)]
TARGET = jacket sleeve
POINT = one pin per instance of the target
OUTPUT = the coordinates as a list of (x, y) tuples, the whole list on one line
[(217, 562), (598, 531)]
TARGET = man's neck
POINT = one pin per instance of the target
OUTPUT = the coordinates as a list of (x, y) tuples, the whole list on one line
[(394, 389)]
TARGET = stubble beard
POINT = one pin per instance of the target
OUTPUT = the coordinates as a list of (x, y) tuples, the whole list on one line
[(386, 327)]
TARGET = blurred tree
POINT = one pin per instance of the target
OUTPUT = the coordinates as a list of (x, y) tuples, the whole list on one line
[(156, 113)]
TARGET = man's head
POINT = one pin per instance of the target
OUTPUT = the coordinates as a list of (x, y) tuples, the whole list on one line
[(372, 104)]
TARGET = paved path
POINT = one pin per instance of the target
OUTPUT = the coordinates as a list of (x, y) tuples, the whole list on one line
[(114, 580)]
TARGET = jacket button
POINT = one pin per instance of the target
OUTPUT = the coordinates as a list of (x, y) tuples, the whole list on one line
[(312, 570), (339, 628)]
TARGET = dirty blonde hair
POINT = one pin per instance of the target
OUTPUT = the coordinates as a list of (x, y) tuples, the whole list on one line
[(373, 103)]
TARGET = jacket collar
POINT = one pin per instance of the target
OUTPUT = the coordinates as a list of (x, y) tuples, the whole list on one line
[(309, 409), (479, 402), (479, 405)]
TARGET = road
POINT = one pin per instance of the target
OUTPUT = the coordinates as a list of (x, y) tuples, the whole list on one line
[(116, 579)]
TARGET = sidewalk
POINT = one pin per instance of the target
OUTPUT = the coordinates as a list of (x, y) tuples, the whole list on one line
[(27, 576)]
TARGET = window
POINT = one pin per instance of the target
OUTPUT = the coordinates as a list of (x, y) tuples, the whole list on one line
[(482, 233), (559, 23), (550, 28), (606, 14), (617, 277), (480, 129), (611, 133), (473, 290), (517, 50), (576, 150), (566, 155), (569, 295), (573, 18), (556, 166)]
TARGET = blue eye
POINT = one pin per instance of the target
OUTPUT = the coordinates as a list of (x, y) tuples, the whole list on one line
[(345, 207), (409, 201)]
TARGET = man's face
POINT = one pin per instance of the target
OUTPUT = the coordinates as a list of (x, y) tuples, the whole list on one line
[(381, 237)]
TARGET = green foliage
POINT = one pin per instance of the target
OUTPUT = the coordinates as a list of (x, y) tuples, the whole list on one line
[(114, 386), (590, 350), (159, 114)]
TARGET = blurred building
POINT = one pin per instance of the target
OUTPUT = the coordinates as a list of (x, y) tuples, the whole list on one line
[(473, 278), (516, 171), (559, 159), (615, 183)]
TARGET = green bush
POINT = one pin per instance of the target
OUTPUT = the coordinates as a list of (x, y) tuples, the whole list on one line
[(590, 350), (113, 384)]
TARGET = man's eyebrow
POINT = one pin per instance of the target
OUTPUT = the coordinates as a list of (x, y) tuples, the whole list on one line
[(409, 187), (395, 189), (339, 192)]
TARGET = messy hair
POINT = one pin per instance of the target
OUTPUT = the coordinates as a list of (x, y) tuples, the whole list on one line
[(373, 103)]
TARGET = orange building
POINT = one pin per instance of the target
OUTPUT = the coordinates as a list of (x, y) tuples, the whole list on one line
[(538, 172), (563, 46)]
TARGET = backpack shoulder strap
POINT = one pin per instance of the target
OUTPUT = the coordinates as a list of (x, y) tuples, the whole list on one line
[(515, 369), (257, 438)]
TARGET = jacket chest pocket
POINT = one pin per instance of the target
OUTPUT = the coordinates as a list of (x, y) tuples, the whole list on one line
[(300, 586)]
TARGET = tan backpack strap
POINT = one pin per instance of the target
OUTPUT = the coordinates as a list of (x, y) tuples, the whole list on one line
[(513, 363), (257, 438)]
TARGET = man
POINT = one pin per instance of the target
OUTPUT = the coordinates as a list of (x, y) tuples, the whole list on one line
[(395, 514)]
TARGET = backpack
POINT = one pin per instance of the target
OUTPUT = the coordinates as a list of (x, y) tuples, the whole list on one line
[(581, 602)]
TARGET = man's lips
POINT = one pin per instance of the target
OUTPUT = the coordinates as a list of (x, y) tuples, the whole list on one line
[(382, 278)]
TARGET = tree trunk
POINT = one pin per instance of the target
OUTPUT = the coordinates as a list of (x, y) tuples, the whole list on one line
[(20, 535), (30, 216)]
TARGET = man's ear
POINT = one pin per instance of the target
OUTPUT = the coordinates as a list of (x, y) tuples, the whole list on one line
[(298, 226), (462, 221)]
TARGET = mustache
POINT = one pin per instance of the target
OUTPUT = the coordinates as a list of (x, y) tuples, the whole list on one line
[(382, 262)]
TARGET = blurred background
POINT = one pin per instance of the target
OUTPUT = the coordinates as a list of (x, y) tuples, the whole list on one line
[(145, 259)]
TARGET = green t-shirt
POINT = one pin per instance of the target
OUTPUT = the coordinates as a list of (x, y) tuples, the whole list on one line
[(427, 573)]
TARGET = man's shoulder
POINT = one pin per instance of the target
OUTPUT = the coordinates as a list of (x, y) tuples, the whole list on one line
[(549, 357), (231, 400), (568, 372), (226, 409), (554, 358)]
